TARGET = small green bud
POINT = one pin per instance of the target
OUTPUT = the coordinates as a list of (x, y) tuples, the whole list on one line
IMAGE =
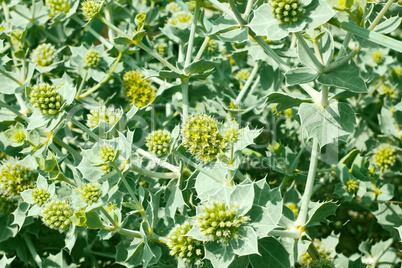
[(44, 55), (352, 186), (232, 135), (385, 156), (91, 192), (56, 215), (40, 196), (185, 247), (286, 11), (158, 142), (92, 58), (107, 153), (106, 168), (57, 6), (243, 74), (90, 9), (139, 91), (46, 98)]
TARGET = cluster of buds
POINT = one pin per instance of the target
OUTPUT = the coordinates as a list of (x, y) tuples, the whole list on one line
[(102, 114), (161, 48), (91, 192), (212, 48), (220, 221), (180, 17), (57, 6), (185, 247), (377, 57), (243, 74), (158, 142), (44, 55), (173, 8), (106, 168), (107, 153), (231, 135), (56, 215), (16, 134), (286, 11), (352, 186), (92, 58), (46, 98), (40, 196), (202, 138), (385, 156), (15, 178), (139, 91), (90, 9)]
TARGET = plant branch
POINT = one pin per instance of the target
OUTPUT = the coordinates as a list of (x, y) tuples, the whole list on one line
[(380, 15), (202, 48), (310, 54), (248, 83)]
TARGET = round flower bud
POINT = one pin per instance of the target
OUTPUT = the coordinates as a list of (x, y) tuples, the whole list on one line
[(106, 168), (286, 11), (91, 192), (385, 156), (352, 186), (44, 55), (7, 205), (220, 221), (293, 207), (139, 91), (180, 17), (90, 9), (57, 6), (377, 57), (185, 247), (201, 137), (107, 153), (231, 135), (56, 215), (15, 178), (92, 58), (46, 98), (158, 142), (40, 196), (102, 114)]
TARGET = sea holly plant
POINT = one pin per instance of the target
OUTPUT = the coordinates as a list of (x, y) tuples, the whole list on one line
[(201, 133)]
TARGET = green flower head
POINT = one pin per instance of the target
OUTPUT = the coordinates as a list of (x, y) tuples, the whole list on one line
[(44, 55), (180, 17), (139, 91), (107, 153), (201, 137), (106, 168), (212, 48), (243, 74), (352, 186), (286, 11), (40, 196), (103, 114), (92, 58), (16, 134), (56, 214), (220, 221), (185, 247), (377, 57), (385, 156), (232, 135), (46, 98), (90, 9), (15, 178), (161, 48), (158, 142), (91, 192), (57, 6)]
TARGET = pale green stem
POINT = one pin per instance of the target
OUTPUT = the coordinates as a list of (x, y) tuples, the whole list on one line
[(16, 112), (32, 250), (109, 218), (285, 233), (109, 17), (306, 48), (21, 102), (308, 190), (130, 233), (158, 161), (104, 41), (230, 183), (313, 252), (288, 223), (192, 33), (317, 49), (6, 13), (236, 12), (248, 83), (324, 96), (202, 48), (248, 9), (342, 61), (184, 85), (380, 15), (103, 81), (11, 77), (345, 45), (82, 127), (153, 174), (82, 83), (71, 150), (157, 56)]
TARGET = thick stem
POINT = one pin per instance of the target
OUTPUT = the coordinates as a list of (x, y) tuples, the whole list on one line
[(130, 233), (192, 33), (342, 61), (236, 12), (310, 54), (247, 84), (285, 233), (158, 161), (380, 15), (248, 9), (81, 87)]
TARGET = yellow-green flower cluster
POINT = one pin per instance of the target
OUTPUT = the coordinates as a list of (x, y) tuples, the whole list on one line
[(7, 205), (220, 221), (352, 186), (46, 98), (286, 11), (57, 6), (185, 247), (16, 133), (91, 192), (180, 17), (293, 207), (158, 141), (107, 153), (139, 91), (212, 48), (243, 74), (90, 9), (385, 156), (56, 215), (377, 57), (92, 58), (44, 55), (173, 7), (201, 137), (231, 135), (161, 48), (40, 196), (106, 168), (389, 91), (102, 114), (15, 178)]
